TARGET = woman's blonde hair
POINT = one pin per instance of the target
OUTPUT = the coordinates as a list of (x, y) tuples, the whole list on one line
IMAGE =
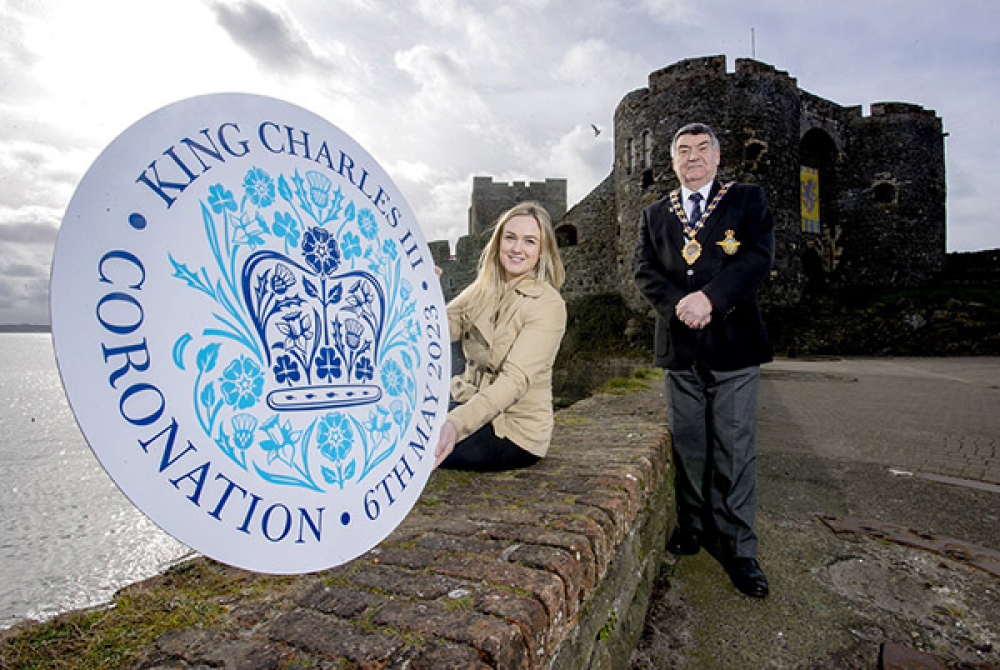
[(489, 281)]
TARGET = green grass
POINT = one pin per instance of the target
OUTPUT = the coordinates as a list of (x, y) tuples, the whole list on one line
[(193, 594), (640, 380)]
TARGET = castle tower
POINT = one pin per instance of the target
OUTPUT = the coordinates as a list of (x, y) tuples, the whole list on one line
[(490, 199), (875, 184), (895, 235), (755, 113)]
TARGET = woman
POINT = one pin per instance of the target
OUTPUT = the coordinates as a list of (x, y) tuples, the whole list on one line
[(511, 320)]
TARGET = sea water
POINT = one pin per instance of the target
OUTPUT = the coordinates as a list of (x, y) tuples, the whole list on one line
[(68, 537)]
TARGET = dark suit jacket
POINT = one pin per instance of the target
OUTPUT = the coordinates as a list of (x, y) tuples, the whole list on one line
[(736, 337)]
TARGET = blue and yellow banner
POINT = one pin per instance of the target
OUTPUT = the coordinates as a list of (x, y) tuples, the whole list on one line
[(810, 200)]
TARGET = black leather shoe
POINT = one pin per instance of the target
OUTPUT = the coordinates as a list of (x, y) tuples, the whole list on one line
[(684, 542), (747, 576)]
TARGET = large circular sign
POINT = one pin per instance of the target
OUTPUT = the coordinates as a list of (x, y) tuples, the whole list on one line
[(250, 332)]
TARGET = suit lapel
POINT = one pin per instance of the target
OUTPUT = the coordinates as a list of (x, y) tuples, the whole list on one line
[(675, 229)]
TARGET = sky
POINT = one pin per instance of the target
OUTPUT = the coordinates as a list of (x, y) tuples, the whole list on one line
[(439, 91)]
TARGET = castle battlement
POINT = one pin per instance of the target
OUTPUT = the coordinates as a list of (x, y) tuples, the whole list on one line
[(490, 199), (902, 109)]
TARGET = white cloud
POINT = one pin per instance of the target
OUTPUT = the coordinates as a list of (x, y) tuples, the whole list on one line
[(441, 90), (581, 157)]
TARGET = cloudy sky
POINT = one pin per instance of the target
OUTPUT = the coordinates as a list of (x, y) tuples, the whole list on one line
[(441, 90)]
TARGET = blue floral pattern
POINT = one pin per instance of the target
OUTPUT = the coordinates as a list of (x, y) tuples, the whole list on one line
[(308, 299)]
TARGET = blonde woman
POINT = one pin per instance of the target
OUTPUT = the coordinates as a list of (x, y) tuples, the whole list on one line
[(510, 321)]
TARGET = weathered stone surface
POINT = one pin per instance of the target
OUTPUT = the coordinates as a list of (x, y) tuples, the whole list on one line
[(501, 641), (413, 558), (442, 655), (575, 564), (333, 638), (464, 545), (415, 585), (200, 647), (526, 612), (557, 561), (339, 600), (545, 586)]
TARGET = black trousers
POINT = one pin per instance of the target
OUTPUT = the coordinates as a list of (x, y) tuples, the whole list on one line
[(483, 451), (712, 425)]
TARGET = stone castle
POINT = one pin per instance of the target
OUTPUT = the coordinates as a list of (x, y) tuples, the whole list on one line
[(857, 200)]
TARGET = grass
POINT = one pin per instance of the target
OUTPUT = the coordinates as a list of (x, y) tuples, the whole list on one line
[(193, 594), (640, 380)]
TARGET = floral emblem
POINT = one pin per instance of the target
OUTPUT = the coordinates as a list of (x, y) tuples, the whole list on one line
[(312, 312)]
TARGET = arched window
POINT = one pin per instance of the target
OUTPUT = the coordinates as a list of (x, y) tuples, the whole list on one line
[(647, 149), (753, 150), (647, 179), (630, 167)]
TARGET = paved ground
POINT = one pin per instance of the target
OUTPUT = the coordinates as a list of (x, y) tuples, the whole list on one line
[(909, 442)]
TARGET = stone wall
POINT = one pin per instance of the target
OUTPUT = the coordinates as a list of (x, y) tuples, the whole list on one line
[(587, 243), (547, 567), (491, 199), (894, 228)]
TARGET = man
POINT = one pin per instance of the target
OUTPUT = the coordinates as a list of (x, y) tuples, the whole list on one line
[(702, 252)]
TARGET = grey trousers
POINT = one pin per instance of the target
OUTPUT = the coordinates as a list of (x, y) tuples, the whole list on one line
[(713, 425)]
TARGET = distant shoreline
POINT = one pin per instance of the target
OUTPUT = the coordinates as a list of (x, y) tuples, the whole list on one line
[(24, 328)]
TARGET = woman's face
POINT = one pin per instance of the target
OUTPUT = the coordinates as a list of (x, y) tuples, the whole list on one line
[(520, 246)]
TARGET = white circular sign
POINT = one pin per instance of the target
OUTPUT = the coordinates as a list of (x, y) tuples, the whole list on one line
[(250, 332)]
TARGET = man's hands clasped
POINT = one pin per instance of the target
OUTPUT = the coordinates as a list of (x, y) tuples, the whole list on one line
[(695, 310)]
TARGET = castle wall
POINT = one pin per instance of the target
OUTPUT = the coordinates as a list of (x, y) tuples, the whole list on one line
[(491, 199), (591, 262), (895, 181)]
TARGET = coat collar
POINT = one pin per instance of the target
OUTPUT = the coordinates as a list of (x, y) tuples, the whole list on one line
[(530, 286), (491, 319)]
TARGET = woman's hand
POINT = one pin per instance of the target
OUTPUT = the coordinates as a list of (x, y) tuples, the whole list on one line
[(446, 443)]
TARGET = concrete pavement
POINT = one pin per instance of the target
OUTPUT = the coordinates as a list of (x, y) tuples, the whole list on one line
[(928, 415)]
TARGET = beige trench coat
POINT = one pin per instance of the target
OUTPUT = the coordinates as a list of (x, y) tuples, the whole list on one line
[(509, 352)]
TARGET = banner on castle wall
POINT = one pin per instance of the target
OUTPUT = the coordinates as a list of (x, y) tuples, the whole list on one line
[(810, 200), (250, 332)]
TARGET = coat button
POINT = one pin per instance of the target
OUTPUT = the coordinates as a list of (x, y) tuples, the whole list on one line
[(690, 272)]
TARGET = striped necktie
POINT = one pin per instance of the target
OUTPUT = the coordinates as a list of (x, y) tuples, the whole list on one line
[(695, 199)]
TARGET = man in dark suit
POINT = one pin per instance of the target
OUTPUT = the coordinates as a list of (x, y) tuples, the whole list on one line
[(702, 252)]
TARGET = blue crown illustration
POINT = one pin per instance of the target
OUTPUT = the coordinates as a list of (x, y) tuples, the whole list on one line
[(321, 330)]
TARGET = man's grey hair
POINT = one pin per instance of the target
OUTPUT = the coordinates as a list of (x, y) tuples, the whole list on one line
[(693, 129)]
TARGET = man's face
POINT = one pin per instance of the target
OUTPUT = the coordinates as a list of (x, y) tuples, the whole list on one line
[(695, 160)]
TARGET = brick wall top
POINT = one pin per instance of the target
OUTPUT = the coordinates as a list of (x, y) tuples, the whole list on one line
[(488, 570)]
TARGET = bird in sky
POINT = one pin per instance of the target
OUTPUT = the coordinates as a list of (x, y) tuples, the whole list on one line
[(597, 131)]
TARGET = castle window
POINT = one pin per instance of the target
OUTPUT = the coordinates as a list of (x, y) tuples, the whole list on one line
[(631, 156), (566, 236), (647, 179), (647, 149), (754, 149), (884, 193)]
